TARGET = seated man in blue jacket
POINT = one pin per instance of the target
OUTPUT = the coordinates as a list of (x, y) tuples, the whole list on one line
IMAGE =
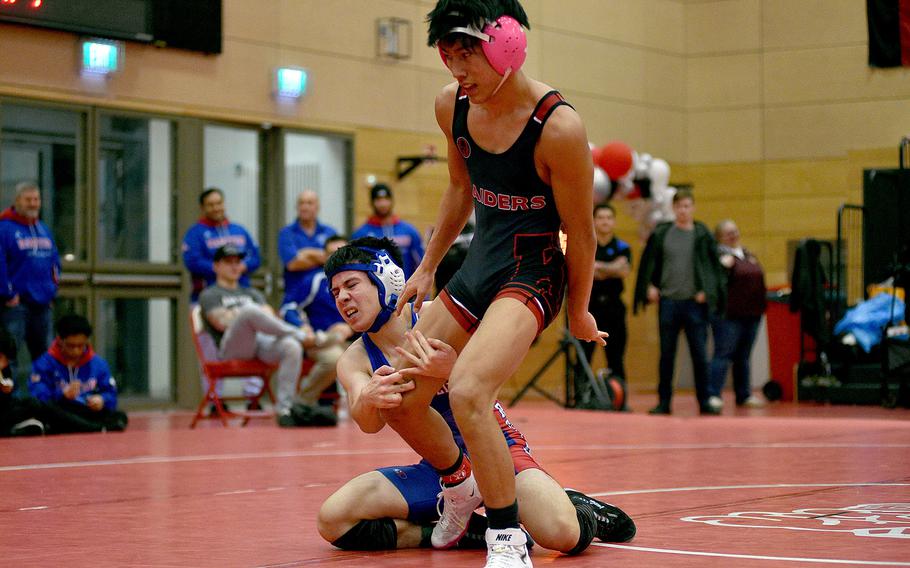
[(75, 382)]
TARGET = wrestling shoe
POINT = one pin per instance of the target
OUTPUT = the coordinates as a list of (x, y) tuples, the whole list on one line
[(457, 503), (613, 524), (476, 536), (507, 548)]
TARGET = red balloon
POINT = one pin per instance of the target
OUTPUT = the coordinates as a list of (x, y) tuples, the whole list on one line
[(597, 154), (615, 158)]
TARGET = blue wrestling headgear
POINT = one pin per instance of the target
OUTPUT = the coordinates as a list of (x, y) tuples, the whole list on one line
[(385, 274)]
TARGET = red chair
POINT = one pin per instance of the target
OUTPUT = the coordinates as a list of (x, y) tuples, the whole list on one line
[(216, 371)]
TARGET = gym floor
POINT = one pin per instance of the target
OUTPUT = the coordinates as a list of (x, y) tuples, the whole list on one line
[(787, 485)]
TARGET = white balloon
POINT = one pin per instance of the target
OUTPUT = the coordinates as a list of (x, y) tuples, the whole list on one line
[(601, 186), (642, 165), (659, 172)]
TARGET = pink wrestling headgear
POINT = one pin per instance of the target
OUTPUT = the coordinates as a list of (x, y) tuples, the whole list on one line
[(504, 43)]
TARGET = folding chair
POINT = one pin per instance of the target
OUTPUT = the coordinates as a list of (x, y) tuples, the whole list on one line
[(216, 371)]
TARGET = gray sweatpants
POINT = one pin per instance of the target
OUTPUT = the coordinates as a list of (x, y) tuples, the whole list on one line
[(255, 334)]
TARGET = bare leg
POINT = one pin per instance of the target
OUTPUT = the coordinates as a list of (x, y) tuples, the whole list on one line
[(546, 511), (366, 497), (491, 356), (418, 424)]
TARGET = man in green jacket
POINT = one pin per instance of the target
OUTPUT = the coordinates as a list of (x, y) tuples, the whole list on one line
[(680, 271)]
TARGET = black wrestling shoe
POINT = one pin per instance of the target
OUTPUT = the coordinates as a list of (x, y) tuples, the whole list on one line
[(475, 537), (613, 524)]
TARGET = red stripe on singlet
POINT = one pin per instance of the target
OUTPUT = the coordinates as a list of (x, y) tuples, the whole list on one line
[(465, 318), (544, 108)]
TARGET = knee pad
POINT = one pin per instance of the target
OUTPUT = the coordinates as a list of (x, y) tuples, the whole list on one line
[(375, 534), (587, 526)]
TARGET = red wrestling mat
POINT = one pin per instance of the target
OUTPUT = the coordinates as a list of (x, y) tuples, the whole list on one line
[(783, 486)]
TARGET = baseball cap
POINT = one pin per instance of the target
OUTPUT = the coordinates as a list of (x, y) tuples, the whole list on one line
[(380, 190), (228, 250)]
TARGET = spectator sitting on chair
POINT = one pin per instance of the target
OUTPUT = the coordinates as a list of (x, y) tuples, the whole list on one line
[(244, 326), (76, 383), (18, 416), (313, 309), (212, 231)]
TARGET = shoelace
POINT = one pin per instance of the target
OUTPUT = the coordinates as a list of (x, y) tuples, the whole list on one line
[(450, 499), (504, 556)]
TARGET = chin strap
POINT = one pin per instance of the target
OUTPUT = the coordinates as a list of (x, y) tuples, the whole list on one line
[(502, 81), (381, 319)]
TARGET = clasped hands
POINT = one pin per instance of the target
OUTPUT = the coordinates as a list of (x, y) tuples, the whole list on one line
[(74, 388)]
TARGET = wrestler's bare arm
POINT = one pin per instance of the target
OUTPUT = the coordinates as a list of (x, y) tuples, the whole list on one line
[(563, 149)]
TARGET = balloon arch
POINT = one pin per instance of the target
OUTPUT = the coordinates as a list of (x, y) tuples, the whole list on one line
[(640, 180)]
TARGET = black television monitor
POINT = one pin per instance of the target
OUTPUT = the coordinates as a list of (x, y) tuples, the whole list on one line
[(185, 24)]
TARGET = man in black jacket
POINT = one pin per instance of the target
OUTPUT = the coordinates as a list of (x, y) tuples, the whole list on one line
[(680, 272)]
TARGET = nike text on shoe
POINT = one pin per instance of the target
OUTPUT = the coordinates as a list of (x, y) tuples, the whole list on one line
[(458, 503), (613, 524), (507, 548)]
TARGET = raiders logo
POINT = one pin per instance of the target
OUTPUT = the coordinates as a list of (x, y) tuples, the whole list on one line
[(464, 147)]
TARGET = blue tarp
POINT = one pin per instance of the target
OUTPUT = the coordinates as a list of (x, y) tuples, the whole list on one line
[(866, 320)]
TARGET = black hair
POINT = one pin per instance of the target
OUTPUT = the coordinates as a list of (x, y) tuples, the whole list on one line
[(335, 239), (208, 192), (73, 324), (7, 344), (352, 253), (449, 14), (600, 206)]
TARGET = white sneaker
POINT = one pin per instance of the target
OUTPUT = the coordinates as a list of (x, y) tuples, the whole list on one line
[(715, 402), (507, 548), (753, 402), (458, 503)]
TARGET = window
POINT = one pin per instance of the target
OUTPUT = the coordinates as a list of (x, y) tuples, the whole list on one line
[(318, 162), (232, 165), (135, 197), (136, 337)]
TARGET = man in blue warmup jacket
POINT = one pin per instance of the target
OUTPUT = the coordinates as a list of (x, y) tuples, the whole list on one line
[(75, 382), (29, 271), (384, 223), (301, 246), (210, 233)]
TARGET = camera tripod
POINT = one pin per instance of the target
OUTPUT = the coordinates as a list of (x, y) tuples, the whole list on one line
[(576, 363)]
